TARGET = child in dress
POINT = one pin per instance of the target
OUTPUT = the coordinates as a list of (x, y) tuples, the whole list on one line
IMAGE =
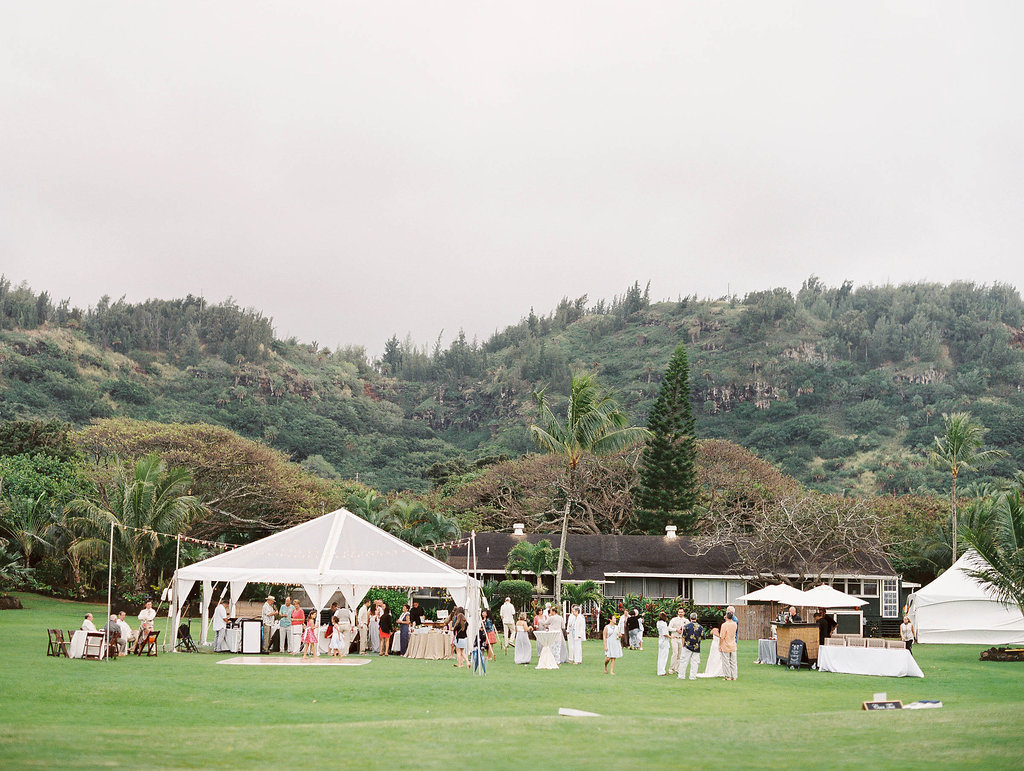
[(309, 637), (337, 639)]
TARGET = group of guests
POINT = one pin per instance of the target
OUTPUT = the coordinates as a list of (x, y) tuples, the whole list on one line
[(679, 639), (294, 624), (120, 633), (381, 633), (568, 645)]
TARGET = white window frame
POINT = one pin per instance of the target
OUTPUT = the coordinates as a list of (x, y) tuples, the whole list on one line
[(889, 604)]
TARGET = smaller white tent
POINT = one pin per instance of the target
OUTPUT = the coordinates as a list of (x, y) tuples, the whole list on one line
[(955, 608), (336, 552), (784, 593), (824, 596)]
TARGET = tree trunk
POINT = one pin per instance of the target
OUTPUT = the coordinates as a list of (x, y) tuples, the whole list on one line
[(561, 543)]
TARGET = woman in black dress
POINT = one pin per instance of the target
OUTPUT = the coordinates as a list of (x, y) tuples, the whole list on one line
[(386, 627)]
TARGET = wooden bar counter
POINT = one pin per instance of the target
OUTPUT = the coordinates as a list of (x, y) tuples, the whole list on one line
[(802, 631)]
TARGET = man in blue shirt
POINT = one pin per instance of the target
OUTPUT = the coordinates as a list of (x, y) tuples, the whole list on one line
[(690, 654)]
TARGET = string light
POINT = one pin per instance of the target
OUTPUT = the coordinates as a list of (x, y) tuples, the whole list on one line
[(188, 538)]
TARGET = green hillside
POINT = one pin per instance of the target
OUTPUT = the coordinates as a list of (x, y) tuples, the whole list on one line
[(842, 387)]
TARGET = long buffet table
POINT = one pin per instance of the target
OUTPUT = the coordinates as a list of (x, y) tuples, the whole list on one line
[(884, 662)]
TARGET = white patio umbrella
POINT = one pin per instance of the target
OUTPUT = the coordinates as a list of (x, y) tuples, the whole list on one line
[(784, 593), (825, 596)]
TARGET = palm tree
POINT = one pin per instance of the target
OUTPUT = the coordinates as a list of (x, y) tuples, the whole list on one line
[(959, 449), (998, 536), (432, 528), (583, 592), (371, 506), (141, 503), (27, 520), (12, 572), (594, 424), (405, 515), (526, 557)]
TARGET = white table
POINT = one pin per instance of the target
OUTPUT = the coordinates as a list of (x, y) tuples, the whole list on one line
[(884, 662), (546, 659), (766, 652), (76, 648)]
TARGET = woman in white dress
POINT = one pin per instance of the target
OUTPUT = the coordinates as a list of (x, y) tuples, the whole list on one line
[(375, 630), (524, 648), (612, 646), (663, 643), (714, 666)]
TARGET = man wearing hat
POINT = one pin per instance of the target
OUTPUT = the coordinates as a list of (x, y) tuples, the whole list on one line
[(268, 614)]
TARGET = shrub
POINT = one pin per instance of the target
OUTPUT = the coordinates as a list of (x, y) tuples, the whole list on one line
[(520, 592), (837, 447), (393, 598)]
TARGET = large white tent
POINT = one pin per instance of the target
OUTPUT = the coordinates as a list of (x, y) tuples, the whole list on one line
[(955, 608), (336, 552)]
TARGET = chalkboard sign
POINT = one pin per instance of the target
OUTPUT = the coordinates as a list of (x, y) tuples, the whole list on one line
[(797, 648), (870, 706)]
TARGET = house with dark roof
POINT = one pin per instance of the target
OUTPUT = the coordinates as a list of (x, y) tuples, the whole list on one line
[(672, 566)]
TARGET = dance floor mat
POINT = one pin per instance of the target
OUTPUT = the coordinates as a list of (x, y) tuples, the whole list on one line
[(288, 661)]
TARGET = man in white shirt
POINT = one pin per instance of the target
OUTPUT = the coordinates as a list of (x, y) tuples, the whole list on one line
[(146, 617), (220, 627), (507, 612), (363, 623), (576, 629), (346, 624), (267, 614), (675, 638), (126, 633), (87, 624)]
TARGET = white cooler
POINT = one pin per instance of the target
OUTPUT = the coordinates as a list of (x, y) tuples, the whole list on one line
[(252, 631)]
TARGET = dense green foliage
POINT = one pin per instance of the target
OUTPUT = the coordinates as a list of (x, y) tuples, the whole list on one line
[(667, 490), (843, 387)]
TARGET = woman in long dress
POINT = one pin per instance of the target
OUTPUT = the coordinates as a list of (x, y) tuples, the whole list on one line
[(714, 666), (375, 630), (612, 645), (524, 648), (663, 643), (403, 629)]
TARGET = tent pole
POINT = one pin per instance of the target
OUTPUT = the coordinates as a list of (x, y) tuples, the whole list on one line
[(110, 583), (174, 597)]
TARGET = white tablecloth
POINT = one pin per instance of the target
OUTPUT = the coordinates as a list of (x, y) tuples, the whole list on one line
[(76, 648), (545, 640), (885, 662), (766, 652)]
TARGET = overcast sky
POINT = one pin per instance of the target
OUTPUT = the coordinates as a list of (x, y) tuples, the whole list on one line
[(361, 169)]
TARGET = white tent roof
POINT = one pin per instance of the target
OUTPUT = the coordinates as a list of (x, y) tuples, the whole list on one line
[(336, 552), (955, 608), (784, 593), (337, 548), (824, 596)]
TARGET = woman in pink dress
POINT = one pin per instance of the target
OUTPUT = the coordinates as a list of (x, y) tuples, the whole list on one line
[(309, 640), (298, 619)]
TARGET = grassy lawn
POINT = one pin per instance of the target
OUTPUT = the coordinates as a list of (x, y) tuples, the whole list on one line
[(186, 710)]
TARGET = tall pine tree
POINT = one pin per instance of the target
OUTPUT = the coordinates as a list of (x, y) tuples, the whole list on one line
[(668, 480)]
